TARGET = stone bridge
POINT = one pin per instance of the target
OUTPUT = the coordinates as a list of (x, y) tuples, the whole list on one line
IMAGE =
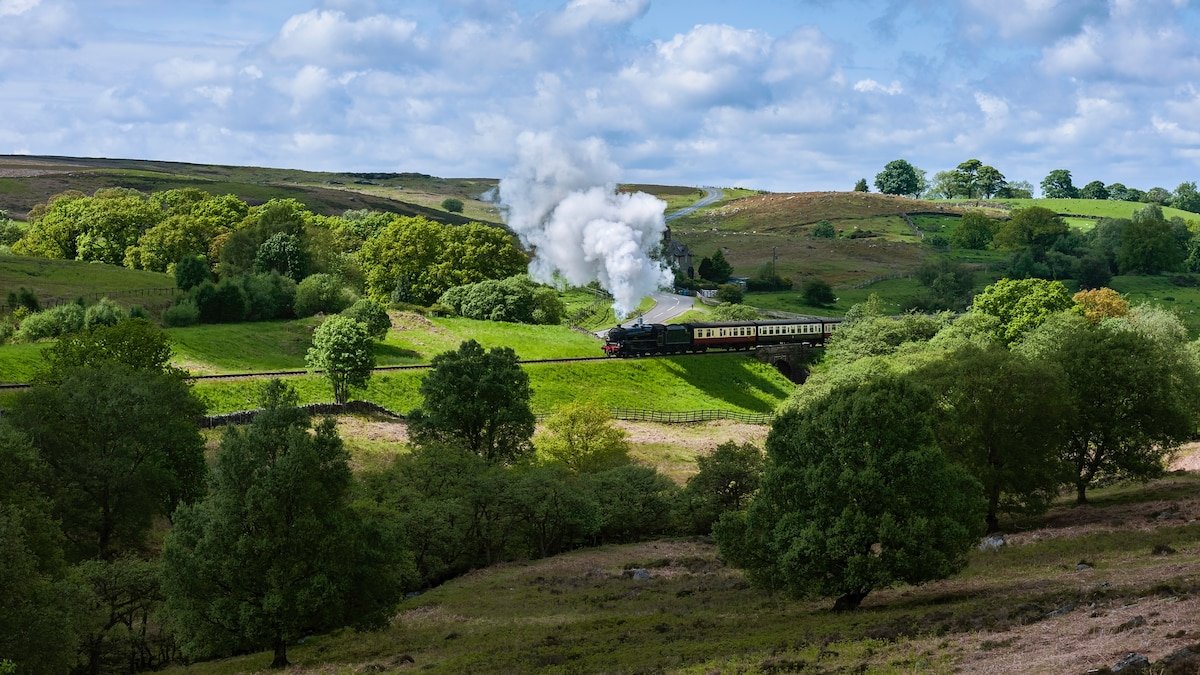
[(791, 360)]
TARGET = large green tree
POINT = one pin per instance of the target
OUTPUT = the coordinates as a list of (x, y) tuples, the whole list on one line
[(856, 497), (1000, 414), (1148, 244), (1058, 185), (122, 448), (974, 231), (478, 400), (898, 178), (275, 551), (134, 343), (342, 347), (1022, 304), (1133, 390), (1034, 226)]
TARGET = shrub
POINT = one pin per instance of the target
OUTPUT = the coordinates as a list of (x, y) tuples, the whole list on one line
[(515, 299), (734, 312), (270, 296), (103, 313), (635, 502), (731, 293), (818, 292), (51, 323), (220, 303), (372, 315), (452, 205), (725, 482), (321, 293), (23, 297), (823, 230), (138, 312), (284, 253), (937, 241), (182, 313), (190, 272)]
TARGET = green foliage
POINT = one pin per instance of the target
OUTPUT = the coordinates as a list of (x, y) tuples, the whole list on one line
[(581, 437), (823, 230), (23, 297), (342, 347), (898, 178), (121, 602), (275, 551), (515, 299), (1094, 190), (224, 302), (123, 449), (634, 503), (478, 400), (104, 313), (734, 312), (719, 269), (768, 279), (135, 343), (452, 205), (861, 185), (282, 252), (730, 293), (416, 260), (239, 251), (974, 231), (856, 497), (1148, 244), (817, 292), (51, 323), (870, 333), (1032, 226), (321, 293), (183, 313), (1022, 304), (268, 296), (949, 284), (371, 315), (1001, 414), (96, 228), (1093, 271), (1057, 185), (1186, 197), (1134, 389), (40, 621), (549, 509), (191, 271), (726, 480)]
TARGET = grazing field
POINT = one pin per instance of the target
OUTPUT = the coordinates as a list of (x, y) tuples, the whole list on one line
[(64, 280), (732, 382), (1028, 607), (1091, 208)]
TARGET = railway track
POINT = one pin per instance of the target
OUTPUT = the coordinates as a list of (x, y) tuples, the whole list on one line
[(414, 366)]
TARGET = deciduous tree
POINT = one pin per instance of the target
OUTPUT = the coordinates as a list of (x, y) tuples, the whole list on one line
[(342, 347), (1057, 185), (1022, 304), (898, 178), (581, 437)]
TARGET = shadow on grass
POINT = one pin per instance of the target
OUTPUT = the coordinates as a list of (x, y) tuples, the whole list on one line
[(388, 354), (734, 382)]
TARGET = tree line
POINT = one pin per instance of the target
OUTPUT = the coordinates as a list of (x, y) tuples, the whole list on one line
[(972, 179), (922, 432)]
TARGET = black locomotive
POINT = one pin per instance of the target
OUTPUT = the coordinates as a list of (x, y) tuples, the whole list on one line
[(657, 338)]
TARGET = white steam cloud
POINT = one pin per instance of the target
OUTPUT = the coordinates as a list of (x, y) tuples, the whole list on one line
[(562, 202)]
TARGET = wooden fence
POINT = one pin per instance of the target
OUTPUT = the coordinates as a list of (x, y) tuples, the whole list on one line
[(689, 416)]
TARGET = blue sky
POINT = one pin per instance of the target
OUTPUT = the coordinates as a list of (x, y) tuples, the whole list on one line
[(783, 95)]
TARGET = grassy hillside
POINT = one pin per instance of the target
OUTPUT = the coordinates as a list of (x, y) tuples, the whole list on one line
[(65, 280), (29, 180), (1090, 208), (725, 382), (1024, 608)]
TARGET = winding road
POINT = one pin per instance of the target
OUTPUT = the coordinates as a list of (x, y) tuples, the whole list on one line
[(712, 195)]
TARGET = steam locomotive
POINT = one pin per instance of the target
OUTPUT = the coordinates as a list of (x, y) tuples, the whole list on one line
[(656, 338)]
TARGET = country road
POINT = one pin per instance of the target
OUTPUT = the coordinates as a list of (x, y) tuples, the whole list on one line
[(711, 196), (666, 306)]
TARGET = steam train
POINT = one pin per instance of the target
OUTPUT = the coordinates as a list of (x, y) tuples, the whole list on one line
[(656, 338)]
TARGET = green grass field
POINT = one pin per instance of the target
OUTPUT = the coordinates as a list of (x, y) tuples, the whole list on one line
[(1093, 208), (733, 382), (65, 280)]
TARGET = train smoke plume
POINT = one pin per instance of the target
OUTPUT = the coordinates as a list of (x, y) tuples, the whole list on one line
[(561, 200)]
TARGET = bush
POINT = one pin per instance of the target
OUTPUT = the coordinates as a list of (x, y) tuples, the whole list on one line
[(823, 230), (51, 323), (190, 272), (818, 292), (23, 297), (515, 299), (220, 303), (937, 241), (634, 502), (283, 253), (731, 293), (372, 315), (270, 296), (182, 313), (321, 293), (452, 205), (138, 312), (725, 482), (734, 312), (103, 313)]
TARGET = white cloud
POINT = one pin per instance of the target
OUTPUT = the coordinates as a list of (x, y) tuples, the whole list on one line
[(869, 86), (806, 53), (583, 14), (179, 71), (710, 65), (331, 38), (15, 7)]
